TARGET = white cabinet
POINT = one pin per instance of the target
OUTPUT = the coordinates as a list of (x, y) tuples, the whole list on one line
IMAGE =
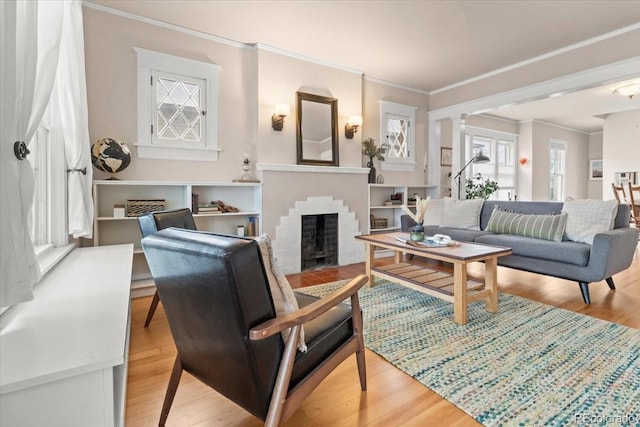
[(63, 355), (110, 230), (383, 209)]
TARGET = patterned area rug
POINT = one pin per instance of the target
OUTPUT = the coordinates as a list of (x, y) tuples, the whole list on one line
[(530, 364)]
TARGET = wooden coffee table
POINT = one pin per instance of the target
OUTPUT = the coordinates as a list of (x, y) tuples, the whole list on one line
[(456, 288)]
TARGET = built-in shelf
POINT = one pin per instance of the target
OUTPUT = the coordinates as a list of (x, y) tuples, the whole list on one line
[(110, 230)]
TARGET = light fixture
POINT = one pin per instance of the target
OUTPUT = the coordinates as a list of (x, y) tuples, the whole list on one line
[(478, 158), (277, 120), (628, 90), (352, 126)]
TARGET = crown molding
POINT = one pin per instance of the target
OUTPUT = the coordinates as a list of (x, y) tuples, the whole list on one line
[(396, 85), (542, 57), (166, 25)]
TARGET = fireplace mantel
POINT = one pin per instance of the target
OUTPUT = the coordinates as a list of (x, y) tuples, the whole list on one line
[(282, 167)]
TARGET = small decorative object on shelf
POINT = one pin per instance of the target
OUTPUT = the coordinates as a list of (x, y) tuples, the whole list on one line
[(380, 179), (246, 167), (118, 211), (371, 150), (110, 155)]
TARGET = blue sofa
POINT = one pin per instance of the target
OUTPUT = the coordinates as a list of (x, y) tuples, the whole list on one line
[(611, 252)]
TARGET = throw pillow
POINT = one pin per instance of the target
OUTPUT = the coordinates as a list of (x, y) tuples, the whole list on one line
[(433, 214), (547, 227), (586, 218), (461, 213), (284, 300)]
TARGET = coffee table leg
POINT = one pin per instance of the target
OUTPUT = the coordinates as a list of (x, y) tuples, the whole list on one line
[(368, 262), (460, 293), (491, 283)]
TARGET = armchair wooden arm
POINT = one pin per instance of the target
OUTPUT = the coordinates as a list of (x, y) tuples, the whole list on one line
[(305, 314)]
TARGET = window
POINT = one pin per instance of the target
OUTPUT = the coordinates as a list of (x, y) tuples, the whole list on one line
[(47, 219), (557, 168), (177, 107), (501, 148), (397, 129)]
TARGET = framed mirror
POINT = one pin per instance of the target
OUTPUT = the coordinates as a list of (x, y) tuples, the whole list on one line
[(317, 129)]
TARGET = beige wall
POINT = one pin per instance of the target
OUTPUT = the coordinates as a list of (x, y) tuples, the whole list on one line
[(373, 93), (621, 147), (111, 93), (279, 78), (577, 160)]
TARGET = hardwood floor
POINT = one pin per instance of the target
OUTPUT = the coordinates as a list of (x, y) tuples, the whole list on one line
[(393, 398)]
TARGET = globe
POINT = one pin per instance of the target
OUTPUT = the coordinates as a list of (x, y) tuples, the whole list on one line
[(110, 155)]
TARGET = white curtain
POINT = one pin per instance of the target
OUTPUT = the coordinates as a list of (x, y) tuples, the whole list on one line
[(72, 93), (30, 40)]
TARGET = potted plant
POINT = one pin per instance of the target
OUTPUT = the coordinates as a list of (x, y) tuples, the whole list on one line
[(371, 150), (480, 188)]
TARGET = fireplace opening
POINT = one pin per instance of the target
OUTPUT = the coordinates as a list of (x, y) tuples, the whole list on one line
[(319, 241)]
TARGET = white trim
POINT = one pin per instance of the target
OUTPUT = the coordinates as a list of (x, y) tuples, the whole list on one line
[(542, 57), (617, 71), (403, 110), (305, 58), (146, 151), (554, 125), (480, 131), (277, 167), (148, 62), (396, 85), (157, 23)]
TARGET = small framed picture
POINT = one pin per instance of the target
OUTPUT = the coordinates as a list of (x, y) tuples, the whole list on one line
[(595, 169), (445, 156)]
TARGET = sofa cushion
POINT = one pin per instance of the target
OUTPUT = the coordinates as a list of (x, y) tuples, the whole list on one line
[(588, 218), (546, 227), (564, 252), (525, 207), (284, 300), (433, 214), (461, 213)]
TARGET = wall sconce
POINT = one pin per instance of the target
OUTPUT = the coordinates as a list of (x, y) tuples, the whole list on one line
[(277, 120), (523, 161), (628, 90), (352, 126)]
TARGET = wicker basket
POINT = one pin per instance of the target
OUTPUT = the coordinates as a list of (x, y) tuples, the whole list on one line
[(141, 207), (380, 223)]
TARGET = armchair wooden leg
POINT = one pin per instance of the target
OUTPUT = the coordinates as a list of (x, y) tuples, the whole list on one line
[(281, 387), (172, 387), (152, 309), (358, 329)]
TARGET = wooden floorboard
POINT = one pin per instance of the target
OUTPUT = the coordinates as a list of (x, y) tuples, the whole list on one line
[(393, 398)]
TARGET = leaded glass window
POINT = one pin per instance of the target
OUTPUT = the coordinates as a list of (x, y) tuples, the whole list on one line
[(179, 108), (397, 131)]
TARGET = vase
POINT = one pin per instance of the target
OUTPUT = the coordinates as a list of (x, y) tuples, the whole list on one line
[(416, 232), (372, 172)]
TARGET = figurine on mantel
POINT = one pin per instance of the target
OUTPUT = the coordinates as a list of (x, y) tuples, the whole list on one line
[(246, 167)]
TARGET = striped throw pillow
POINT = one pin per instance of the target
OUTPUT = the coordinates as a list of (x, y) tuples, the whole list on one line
[(547, 227)]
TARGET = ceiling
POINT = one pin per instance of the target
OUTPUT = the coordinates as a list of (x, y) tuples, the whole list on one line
[(425, 45)]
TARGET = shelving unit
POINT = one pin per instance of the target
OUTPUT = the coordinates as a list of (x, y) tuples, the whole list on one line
[(381, 193), (247, 197)]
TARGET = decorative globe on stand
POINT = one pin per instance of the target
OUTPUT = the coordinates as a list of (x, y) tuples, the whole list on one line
[(110, 155)]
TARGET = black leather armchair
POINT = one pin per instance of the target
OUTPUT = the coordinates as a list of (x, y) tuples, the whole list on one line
[(152, 222), (215, 294)]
